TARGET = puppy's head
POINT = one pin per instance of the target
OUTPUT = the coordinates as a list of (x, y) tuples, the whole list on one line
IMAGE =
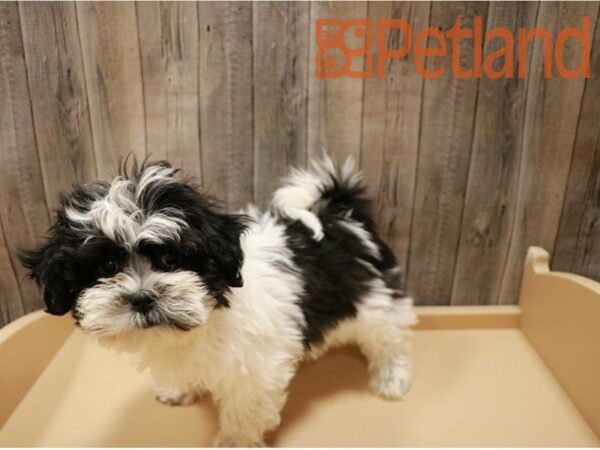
[(146, 250)]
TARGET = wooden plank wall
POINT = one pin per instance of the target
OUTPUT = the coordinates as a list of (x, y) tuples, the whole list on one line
[(465, 173)]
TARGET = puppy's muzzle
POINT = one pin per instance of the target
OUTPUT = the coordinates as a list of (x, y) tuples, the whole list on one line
[(142, 302)]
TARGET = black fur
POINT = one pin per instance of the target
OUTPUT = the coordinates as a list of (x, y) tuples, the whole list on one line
[(334, 278), (53, 265)]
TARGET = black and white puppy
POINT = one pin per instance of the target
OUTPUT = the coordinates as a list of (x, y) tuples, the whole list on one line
[(227, 303)]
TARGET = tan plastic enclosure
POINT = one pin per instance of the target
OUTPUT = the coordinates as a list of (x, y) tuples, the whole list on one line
[(526, 375)]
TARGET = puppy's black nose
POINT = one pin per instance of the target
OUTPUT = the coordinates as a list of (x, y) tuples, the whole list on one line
[(141, 302)]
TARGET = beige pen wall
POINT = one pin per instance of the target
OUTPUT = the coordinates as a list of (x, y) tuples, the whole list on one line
[(465, 173)]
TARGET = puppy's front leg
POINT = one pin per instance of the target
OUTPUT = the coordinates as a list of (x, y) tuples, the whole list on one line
[(247, 414), (168, 391), (173, 396)]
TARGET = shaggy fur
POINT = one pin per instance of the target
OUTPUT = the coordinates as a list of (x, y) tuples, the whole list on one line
[(229, 303)]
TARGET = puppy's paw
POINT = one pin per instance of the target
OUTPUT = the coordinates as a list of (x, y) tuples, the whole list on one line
[(177, 399), (391, 382), (225, 440)]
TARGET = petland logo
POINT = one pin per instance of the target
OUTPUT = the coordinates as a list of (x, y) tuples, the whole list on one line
[(340, 41)]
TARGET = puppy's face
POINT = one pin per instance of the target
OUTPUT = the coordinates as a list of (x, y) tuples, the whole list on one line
[(143, 251)]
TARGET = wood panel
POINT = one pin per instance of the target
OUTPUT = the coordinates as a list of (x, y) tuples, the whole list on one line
[(494, 172), (280, 76), (111, 57), (577, 245), (335, 104), (58, 98), (390, 129), (552, 111), (226, 100), (444, 150), (11, 306), (168, 34), (465, 173), (23, 210)]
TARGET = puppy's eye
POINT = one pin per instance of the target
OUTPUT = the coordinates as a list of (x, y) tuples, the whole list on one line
[(168, 258), (109, 267)]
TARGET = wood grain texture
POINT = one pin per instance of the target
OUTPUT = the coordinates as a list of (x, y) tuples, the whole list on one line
[(168, 34), (577, 247), (390, 130), (493, 176), (280, 74), (11, 306), (444, 150), (111, 58), (335, 104), (552, 112), (58, 97), (23, 211), (465, 174), (226, 100)]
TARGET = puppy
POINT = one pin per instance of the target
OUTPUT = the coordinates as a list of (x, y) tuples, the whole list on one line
[(229, 303)]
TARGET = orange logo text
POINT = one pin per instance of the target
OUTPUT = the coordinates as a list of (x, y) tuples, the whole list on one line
[(342, 45)]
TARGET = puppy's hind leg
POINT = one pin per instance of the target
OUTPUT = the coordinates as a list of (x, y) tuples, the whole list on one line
[(384, 336)]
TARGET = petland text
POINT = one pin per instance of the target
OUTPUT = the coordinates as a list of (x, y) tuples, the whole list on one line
[(339, 42)]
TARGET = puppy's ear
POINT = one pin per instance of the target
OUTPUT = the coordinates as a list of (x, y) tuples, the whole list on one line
[(228, 251), (47, 266)]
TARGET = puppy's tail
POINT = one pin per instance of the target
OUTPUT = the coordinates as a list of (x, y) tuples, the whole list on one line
[(323, 190)]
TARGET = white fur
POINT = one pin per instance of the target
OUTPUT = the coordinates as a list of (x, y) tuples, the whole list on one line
[(244, 355), (105, 312), (302, 189), (118, 214)]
